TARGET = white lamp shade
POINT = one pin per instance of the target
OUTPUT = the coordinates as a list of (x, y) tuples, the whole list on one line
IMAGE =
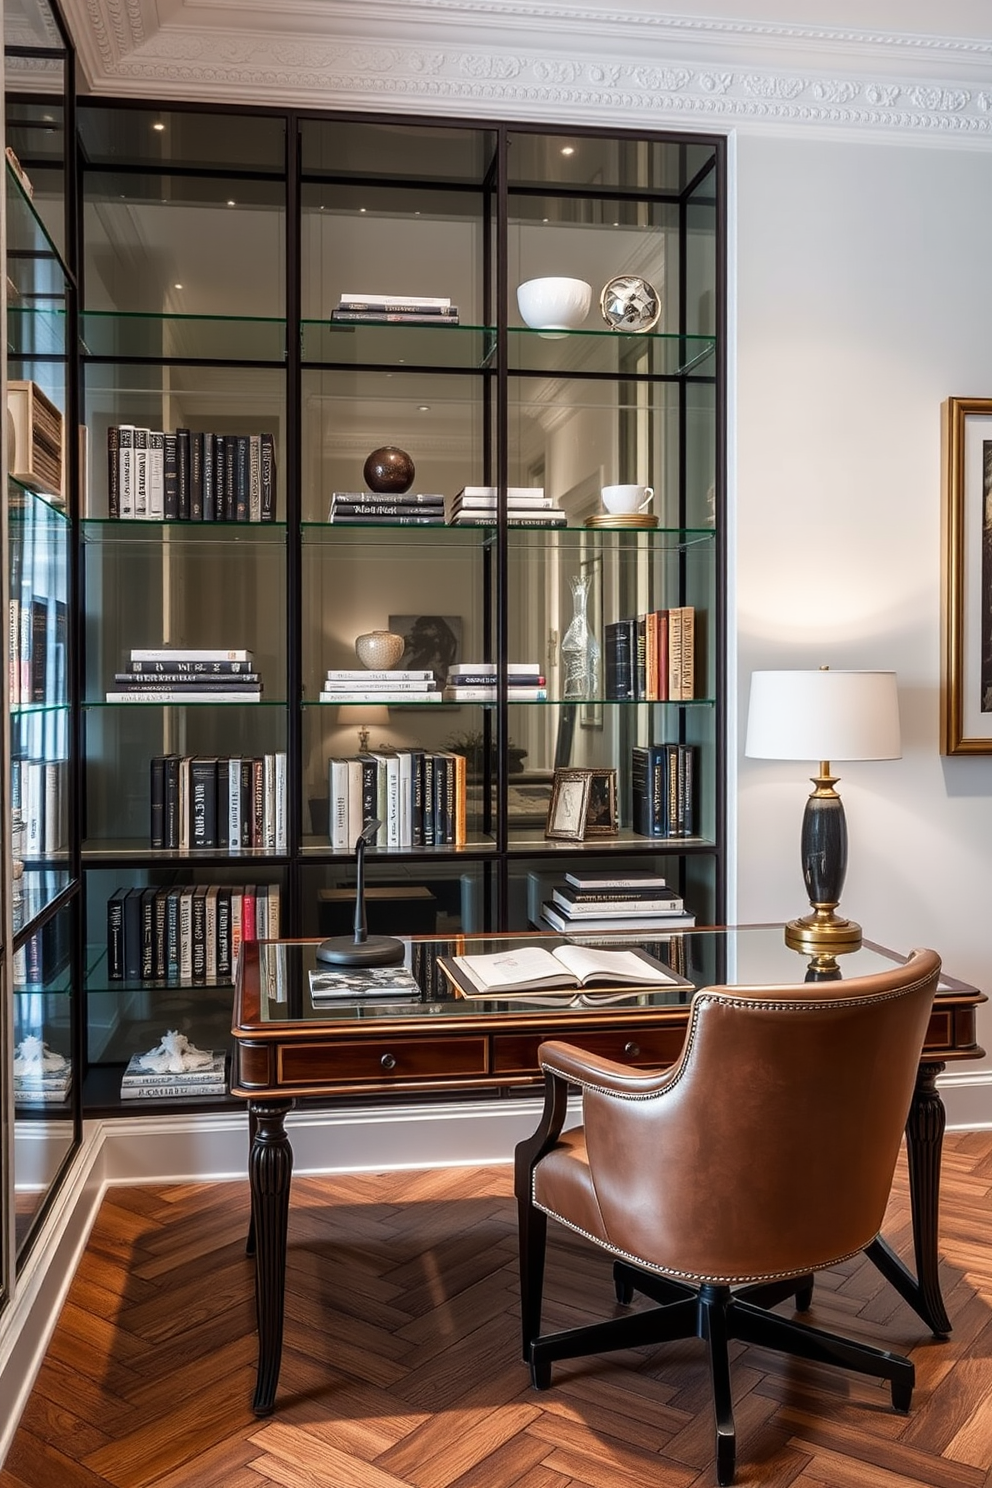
[(823, 715)]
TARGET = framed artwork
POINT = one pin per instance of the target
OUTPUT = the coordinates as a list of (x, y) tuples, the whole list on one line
[(966, 680), (601, 807), (430, 641), (567, 810)]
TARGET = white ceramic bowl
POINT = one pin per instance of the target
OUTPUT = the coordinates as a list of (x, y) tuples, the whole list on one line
[(554, 304)]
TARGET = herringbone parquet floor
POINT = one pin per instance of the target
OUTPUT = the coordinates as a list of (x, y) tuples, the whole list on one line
[(401, 1367)]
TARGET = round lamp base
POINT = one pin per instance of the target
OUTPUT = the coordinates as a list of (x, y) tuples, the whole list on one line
[(812, 933), (376, 950)]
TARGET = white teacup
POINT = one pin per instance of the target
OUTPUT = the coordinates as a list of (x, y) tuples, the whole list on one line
[(624, 500)]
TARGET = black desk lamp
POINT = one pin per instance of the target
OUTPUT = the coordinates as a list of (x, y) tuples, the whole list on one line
[(362, 949)]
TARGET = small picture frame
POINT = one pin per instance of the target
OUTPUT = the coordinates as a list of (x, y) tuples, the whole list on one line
[(601, 806), (567, 809)]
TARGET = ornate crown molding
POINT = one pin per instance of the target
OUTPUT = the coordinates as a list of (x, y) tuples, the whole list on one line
[(655, 71)]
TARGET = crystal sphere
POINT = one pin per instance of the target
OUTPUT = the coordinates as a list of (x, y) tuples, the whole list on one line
[(379, 650), (389, 470)]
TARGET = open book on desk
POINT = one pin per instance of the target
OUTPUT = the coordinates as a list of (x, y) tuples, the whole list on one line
[(570, 968)]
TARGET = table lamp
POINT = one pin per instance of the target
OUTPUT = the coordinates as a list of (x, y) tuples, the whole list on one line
[(823, 715), (361, 948), (363, 719)]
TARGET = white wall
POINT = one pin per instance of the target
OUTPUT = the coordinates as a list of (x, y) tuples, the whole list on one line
[(864, 300)]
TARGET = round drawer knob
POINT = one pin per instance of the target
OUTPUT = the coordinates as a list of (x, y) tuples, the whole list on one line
[(388, 1061), (632, 1049)]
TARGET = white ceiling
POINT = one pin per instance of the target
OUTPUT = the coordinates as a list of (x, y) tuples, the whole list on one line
[(879, 65)]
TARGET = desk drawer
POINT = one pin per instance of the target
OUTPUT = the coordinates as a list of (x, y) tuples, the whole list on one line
[(516, 1053), (382, 1060)]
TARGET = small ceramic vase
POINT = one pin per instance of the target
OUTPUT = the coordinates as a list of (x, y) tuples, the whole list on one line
[(379, 650)]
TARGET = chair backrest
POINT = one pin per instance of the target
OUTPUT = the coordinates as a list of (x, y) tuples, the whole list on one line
[(770, 1149)]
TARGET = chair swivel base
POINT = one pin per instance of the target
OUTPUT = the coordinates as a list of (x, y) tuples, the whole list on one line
[(716, 1314)]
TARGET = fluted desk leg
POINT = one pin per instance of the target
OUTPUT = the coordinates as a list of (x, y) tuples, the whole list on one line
[(270, 1167)]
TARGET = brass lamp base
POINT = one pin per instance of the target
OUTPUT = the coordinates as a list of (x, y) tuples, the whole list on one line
[(822, 931)]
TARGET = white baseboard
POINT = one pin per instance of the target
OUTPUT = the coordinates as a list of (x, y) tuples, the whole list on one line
[(184, 1148)]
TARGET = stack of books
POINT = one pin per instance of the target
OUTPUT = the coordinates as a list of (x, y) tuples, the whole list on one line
[(188, 935), (141, 1083), (419, 796), (475, 682), (526, 506), (386, 509), (397, 686), (436, 310), (40, 1077), (622, 901), (190, 475), (35, 423), (206, 801), (662, 790), (168, 674)]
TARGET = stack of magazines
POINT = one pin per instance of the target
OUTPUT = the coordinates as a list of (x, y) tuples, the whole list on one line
[(168, 674), (386, 509), (435, 310)]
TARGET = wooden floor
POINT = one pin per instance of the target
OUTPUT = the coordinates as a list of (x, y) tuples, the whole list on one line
[(402, 1367)]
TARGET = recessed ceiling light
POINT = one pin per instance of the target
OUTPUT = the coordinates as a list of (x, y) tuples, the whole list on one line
[(361, 209), (158, 127), (423, 408), (545, 219), (232, 204), (568, 149), (177, 286)]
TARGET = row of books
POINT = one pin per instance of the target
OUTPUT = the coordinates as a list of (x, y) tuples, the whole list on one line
[(36, 429), (209, 801), (342, 685), (419, 795), (662, 784), (40, 961), (651, 657), (179, 675), (403, 509), (190, 475), (414, 309), (526, 506), (139, 1082), (188, 935), (475, 682), (37, 614), (626, 901), (39, 816)]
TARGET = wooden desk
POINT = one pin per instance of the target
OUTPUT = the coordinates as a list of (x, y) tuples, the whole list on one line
[(286, 1050)]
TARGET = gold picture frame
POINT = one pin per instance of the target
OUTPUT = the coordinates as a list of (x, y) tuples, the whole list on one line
[(966, 609)]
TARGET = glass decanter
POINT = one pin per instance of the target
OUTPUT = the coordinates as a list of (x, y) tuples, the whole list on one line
[(580, 649)]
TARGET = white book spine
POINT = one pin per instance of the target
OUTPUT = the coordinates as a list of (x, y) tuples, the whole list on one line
[(141, 473), (406, 799), (184, 653), (338, 788), (282, 833), (125, 468), (156, 475), (186, 936), (234, 804), (33, 808), (210, 933), (355, 821), (269, 802), (392, 801)]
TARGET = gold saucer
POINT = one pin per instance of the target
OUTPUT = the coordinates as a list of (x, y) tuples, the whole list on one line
[(626, 519)]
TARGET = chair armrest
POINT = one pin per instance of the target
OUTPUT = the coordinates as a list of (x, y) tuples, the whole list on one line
[(571, 1063), (528, 1153)]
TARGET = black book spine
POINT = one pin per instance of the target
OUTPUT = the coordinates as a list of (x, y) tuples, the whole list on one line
[(369, 793), (132, 935), (639, 659), (196, 477), (180, 669), (115, 936), (159, 950), (170, 831), (430, 839), (258, 803), (687, 755), (220, 476), (199, 936), (182, 473), (247, 798), (157, 800), (268, 478), (241, 478), (230, 475), (209, 503), (203, 790), (172, 935), (417, 798), (170, 478), (113, 471)]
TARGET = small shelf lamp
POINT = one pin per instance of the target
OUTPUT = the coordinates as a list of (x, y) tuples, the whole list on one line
[(823, 715), (363, 719)]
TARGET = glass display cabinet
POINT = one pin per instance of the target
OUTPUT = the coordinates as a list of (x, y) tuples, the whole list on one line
[(40, 876), (340, 286)]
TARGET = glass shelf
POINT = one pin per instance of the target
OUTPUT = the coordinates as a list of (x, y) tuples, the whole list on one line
[(35, 890), (332, 534), (477, 845), (395, 344), (532, 840), (127, 849), (117, 530), (23, 500), (109, 333), (609, 352), (24, 710), (235, 702)]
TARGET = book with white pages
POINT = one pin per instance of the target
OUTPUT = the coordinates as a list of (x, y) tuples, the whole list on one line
[(355, 983), (571, 968)]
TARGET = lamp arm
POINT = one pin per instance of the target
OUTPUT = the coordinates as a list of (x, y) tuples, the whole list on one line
[(361, 932)]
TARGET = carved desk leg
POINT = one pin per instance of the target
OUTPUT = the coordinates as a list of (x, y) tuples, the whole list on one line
[(270, 1166), (924, 1140), (250, 1237)]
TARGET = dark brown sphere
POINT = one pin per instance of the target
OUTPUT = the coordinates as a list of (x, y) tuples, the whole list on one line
[(389, 470)]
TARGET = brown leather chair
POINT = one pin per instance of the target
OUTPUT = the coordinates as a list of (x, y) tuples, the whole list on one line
[(722, 1184)]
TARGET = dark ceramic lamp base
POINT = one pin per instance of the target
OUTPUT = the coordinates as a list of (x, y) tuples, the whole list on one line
[(824, 854)]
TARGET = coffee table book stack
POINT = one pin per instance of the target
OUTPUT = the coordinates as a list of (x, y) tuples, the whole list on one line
[(179, 674), (141, 1083), (475, 682), (633, 901), (395, 685), (386, 509), (430, 310), (526, 506)]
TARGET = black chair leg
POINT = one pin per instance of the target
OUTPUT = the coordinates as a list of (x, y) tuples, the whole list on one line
[(629, 1279), (768, 1293), (713, 1306), (633, 1330), (533, 1232)]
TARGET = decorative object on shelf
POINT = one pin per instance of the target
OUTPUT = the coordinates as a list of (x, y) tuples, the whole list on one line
[(379, 650), (630, 303), (626, 501), (389, 470), (580, 650), (554, 304), (966, 659), (361, 949), (174, 1054), (33, 1059), (601, 807), (567, 810), (823, 715), (431, 643), (363, 717), (607, 521)]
